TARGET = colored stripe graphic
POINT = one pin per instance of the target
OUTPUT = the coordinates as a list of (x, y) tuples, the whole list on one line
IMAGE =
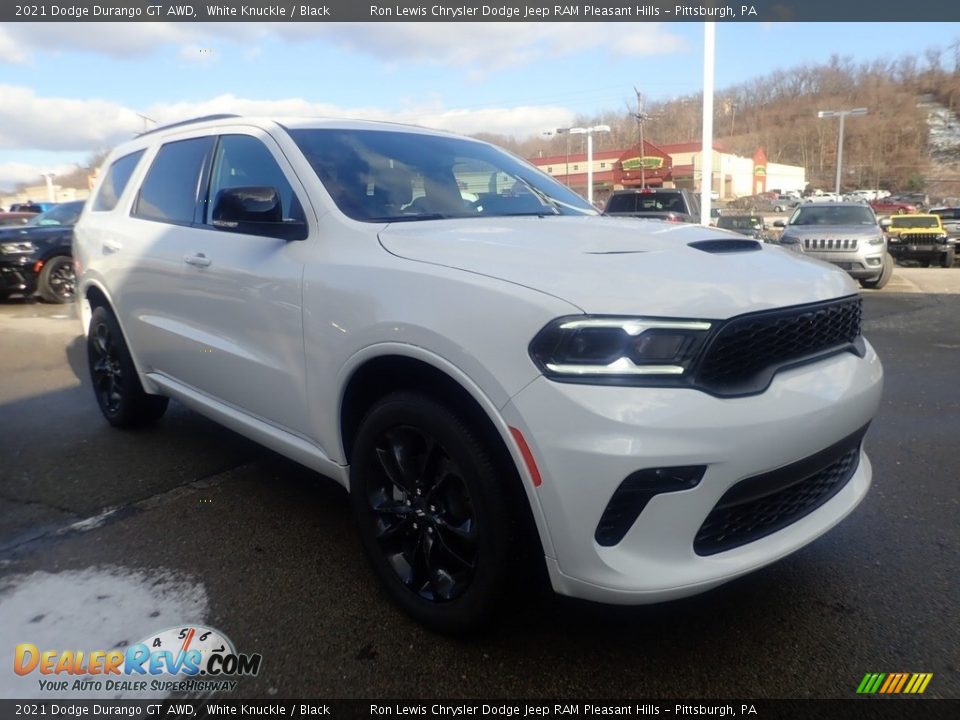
[(894, 683), (903, 679)]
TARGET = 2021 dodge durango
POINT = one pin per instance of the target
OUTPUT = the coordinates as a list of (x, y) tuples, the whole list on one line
[(496, 373)]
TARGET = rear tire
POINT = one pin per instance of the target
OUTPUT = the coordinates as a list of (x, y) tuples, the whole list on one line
[(116, 385), (432, 512), (885, 275), (58, 280)]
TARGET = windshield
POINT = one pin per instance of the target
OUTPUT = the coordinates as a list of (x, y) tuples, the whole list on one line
[(381, 176), (65, 214), (915, 222), (833, 215)]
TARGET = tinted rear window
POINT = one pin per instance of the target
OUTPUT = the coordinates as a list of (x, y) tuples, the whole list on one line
[(622, 203), (116, 181), (169, 192), (647, 202)]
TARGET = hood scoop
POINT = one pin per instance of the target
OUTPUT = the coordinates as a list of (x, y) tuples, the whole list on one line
[(725, 246)]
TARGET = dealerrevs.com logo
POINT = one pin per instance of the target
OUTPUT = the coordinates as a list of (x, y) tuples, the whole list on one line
[(178, 659)]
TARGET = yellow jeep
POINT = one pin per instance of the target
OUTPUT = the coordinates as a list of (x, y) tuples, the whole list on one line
[(919, 237)]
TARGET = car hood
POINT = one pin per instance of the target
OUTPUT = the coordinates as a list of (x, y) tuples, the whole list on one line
[(607, 265), (38, 233)]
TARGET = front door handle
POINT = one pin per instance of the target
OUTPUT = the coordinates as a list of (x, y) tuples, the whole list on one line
[(199, 260)]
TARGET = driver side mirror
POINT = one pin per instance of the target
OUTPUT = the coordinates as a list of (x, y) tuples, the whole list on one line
[(778, 224), (885, 224), (255, 210)]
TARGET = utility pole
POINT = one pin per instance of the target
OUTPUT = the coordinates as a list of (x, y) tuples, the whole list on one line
[(145, 121), (640, 117)]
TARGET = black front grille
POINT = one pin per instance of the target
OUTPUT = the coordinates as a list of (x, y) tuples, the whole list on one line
[(744, 354), (761, 505), (920, 237), (830, 243)]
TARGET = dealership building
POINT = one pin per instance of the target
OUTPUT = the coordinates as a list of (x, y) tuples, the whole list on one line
[(676, 165)]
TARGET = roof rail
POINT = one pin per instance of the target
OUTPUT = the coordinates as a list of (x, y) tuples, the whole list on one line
[(191, 121)]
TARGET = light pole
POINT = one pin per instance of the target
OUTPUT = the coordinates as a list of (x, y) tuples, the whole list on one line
[(566, 151), (589, 131), (48, 177), (842, 114)]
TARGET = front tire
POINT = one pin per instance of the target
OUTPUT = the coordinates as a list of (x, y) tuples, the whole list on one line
[(884, 277), (58, 280), (117, 387), (432, 513), (946, 260)]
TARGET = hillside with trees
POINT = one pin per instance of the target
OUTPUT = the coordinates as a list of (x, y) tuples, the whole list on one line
[(890, 147), (909, 140)]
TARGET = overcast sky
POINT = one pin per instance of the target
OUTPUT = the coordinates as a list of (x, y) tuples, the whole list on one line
[(68, 90)]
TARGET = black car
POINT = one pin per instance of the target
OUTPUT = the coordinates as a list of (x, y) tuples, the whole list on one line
[(37, 257), (749, 225), (671, 204)]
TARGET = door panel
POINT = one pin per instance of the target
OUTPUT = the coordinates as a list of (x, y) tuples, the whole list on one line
[(245, 322)]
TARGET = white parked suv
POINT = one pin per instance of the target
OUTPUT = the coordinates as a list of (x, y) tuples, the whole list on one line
[(646, 409)]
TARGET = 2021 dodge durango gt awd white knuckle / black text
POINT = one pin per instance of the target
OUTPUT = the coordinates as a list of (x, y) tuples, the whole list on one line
[(497, 374)]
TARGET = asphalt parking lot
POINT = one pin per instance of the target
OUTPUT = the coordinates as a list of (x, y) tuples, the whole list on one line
[(107, 536)]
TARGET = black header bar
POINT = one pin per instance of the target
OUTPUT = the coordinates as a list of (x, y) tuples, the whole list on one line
[(474, 11), (607, 709)]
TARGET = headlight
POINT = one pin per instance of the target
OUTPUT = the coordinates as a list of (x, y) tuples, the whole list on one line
[(618, 350), (875, 240), (17, 248), (787, 240)]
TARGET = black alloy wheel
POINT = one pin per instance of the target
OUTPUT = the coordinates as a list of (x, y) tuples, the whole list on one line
[(116, 384), (426, 524), (105, 369), (58, 280), (431, 511)]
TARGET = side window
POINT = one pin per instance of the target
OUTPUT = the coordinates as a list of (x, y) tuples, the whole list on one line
[(244, 161), (115, 181), (169, 192)]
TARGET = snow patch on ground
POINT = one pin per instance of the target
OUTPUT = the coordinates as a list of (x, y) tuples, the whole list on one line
[(93, 609)]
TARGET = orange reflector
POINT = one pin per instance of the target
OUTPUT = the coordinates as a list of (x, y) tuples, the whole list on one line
[(38, 266), (527, 456)]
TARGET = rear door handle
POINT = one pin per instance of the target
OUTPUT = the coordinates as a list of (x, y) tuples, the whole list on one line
[(199, 260)]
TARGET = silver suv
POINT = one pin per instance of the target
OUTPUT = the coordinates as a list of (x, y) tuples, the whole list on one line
[(844, 234)]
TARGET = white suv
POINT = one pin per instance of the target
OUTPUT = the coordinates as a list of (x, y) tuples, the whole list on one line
[(492, 370)]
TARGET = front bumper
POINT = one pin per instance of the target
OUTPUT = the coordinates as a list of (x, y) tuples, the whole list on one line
[(588, 439), (905, 249), (858, 265), (17, 276)]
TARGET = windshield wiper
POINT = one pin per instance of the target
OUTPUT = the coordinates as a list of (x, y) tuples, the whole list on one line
[(545, 199)]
